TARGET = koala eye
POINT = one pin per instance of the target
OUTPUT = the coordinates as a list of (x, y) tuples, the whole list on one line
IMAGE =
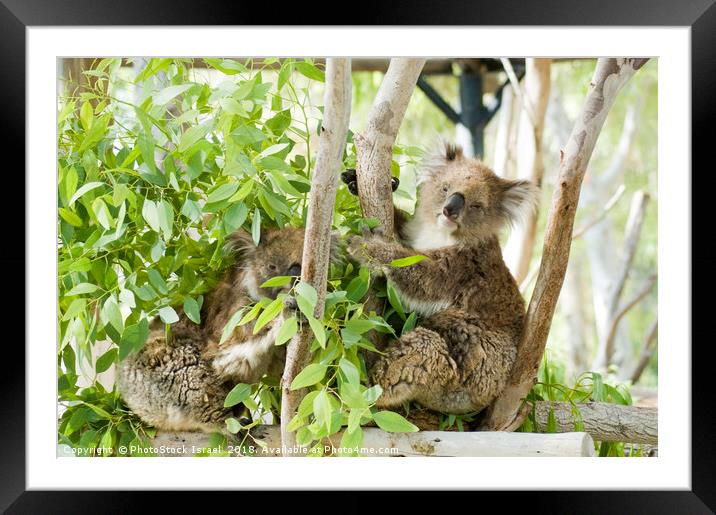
[(445, 188), (476, 205), (272, 268)]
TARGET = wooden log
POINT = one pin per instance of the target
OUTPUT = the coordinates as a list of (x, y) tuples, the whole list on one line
[(378, 443), (604, 422)]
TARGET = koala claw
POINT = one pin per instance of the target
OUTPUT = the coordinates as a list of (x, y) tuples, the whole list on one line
[(290, 304), (350, 179)]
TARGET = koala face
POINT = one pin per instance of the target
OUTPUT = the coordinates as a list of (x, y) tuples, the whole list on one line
[(279, 253), (466, 199)]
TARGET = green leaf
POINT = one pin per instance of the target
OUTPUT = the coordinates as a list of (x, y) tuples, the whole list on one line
[(371, 394), (86, 115), (407, 261), (360, 326), (273, 149), (310, 375), (156, 279), (222, 192), (81, 289), (393, 422), (164, 96), (106, 360), (256, 227), (231, 325), (322, 409), (150, 212), (83, 190), (168, 315), (235, 217), (110, 314), (352, 438), (288, 330), (231, 106), (238, 393), (133, 338), (232, 425), (349, 370), (394, 300), (308, 293), (194, 134), (318, 329), (70, 217), (75, 308), (309, 70), (191, 210), (192, 310), (271, 312), (247, 135), (279, 280), (166, 218)]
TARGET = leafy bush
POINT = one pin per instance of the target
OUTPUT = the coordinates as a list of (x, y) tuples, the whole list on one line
[(150, 187)]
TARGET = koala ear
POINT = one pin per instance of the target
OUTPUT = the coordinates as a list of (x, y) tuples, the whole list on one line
[(434, 163), (518, 200), (240, 242)]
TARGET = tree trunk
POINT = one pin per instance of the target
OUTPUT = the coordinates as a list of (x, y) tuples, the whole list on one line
[(507, 412), (316, 249), (374, 147), (530, 163)]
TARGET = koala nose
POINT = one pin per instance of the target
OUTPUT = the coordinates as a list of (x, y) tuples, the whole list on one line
[(454, 205), (294, 269)]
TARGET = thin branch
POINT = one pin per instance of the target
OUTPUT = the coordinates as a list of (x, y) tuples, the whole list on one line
[(317, 242), (614, 324), (603, 213), (515, 82), (647, 352)]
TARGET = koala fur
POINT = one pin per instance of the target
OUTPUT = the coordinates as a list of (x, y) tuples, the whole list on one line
[(458, 358), (181, 384)]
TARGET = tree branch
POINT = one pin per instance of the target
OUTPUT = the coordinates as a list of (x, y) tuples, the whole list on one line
[(374, 147), (646, 352), (604, 422), (607, 207), (530, 163), (316, 249), (623, 311), (609, 77)]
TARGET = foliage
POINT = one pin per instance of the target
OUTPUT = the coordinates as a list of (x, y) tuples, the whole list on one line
[(148, 190), (588, 387)]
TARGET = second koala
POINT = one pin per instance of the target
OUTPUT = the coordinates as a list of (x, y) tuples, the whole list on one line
[(181, 384), (459, 357)]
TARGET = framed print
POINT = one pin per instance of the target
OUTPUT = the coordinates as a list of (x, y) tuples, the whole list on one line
[(336, 246)]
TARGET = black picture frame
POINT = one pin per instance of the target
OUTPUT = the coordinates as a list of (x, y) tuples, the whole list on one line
[(699, 15)]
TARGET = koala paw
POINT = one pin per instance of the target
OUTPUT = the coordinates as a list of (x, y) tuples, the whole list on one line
[(290, 305), (350, 179), (370, 249)]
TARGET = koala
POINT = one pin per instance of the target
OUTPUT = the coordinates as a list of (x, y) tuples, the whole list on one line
[(459, 356), (180, 384)]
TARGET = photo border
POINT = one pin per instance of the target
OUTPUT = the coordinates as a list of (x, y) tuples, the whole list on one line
[(700, 16)]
